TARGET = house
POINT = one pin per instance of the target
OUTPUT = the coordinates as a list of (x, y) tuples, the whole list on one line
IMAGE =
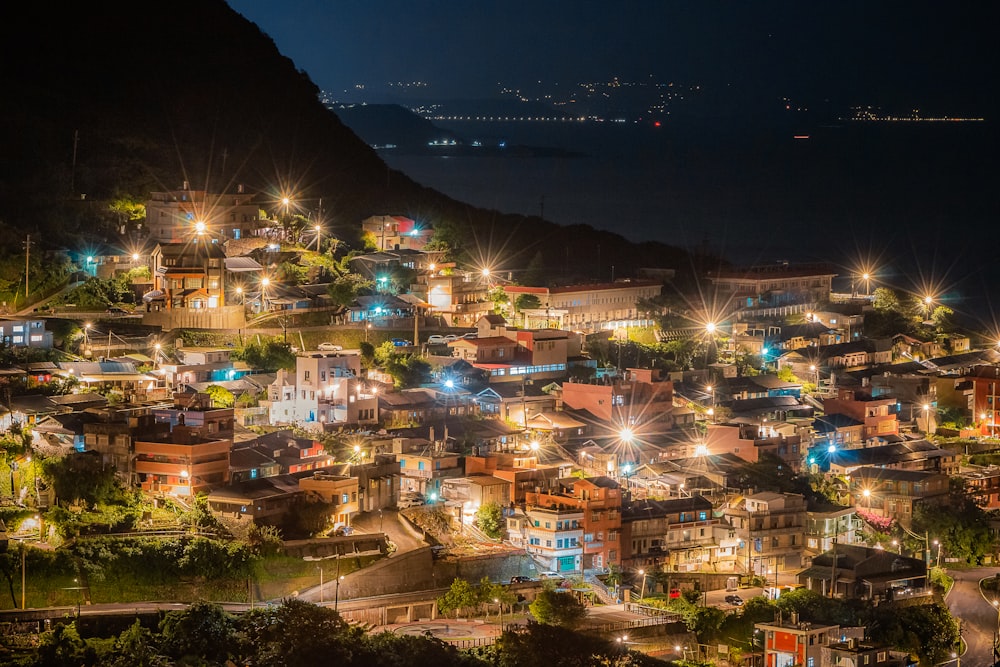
[(421, 405), (397, 232), (173, 216), (788, 641), (864, 352), (772, 528), (827, 524), (521, 473), (339, 491), (473, 491), (187, 275), (523, 356), (676, 533), (775, 285), (797, 336), (293, 453), (264, 501), (553, 536), (197, 413), (326, 390), (856, 653), (378, 482), (512, 402), (600, 499), (25, 333), (866, 573), (877, 415), (590, 307), (423, 471), (894, 493), (181, 462), (642, 401), (459, 297)]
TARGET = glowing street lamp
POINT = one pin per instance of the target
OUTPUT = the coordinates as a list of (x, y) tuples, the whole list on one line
[(199, 227), (318, 230), (928, 300), (626, 435), (867, 278), (642, 591)]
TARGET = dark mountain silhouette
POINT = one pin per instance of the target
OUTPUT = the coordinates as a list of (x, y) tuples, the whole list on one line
[(105, 100)]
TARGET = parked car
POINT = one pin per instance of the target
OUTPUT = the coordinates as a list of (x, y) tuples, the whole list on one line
[(734, 600), (519, 579), (436, 339), (115, 310), (410, 501), (329, 347), (451, 338), (551, 575), (470, 335), (400, 342)]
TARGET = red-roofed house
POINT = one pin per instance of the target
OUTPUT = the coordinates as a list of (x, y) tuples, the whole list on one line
[(397, 232)]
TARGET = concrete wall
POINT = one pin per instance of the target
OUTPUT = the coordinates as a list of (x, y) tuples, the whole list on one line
[(227, 317)]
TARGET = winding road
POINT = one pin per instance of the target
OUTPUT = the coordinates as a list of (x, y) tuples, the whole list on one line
[(979, 618)]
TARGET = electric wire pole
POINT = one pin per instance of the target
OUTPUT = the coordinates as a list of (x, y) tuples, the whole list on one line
[(27, 256)]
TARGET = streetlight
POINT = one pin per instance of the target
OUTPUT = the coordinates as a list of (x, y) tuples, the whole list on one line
[(264, 282), (336, 598), (642, 591), (496, 601), (866, 277), (318, 230), (622, 643), (320, 568), (928, 300), (938, 562)]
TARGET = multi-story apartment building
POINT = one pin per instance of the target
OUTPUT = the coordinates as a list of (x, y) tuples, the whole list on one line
[(600, 499), (772, 528), (173, 216), (679, 534), (378, 483), (776, 285), (181, 463), (19, 333), (894, 493), (553, 536), (461, 298), (187, 275), (326, 389), (592, 307), (829, 524), (522, 473), (424, 471)]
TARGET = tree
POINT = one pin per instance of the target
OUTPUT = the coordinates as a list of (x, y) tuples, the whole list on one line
[(489, 519), (527, 302), (560, 608), (345, 289), (885, 300), (460, 596), (296, 633), (203, 630), (82, 476), (221, 397)]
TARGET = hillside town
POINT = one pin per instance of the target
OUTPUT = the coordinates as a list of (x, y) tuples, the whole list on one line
[(639, 438)]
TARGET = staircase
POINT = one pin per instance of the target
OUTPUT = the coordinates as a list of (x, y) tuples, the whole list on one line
[(602, 592)]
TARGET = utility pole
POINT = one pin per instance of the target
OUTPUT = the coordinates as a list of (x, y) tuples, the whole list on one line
[(833, 573), (72, 176), (27, 256)]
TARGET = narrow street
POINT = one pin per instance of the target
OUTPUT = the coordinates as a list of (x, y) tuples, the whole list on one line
[(979, 618)]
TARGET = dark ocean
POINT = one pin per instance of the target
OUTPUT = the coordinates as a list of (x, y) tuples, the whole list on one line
[(916, 202)]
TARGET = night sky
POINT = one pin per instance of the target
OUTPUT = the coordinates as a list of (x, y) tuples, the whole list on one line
[(934, 55)]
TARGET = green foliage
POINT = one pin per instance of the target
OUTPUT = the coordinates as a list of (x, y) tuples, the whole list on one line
[(267, 355), (527, 302), (460, 596), (958, 522), (346, 288), (221, 397), (554, 607), (885, 300), (297, 633), (82, 476), (489, 519), (203, 630)]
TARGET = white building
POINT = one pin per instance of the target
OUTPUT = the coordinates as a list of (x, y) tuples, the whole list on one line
[(553, 537), (326, 389)]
